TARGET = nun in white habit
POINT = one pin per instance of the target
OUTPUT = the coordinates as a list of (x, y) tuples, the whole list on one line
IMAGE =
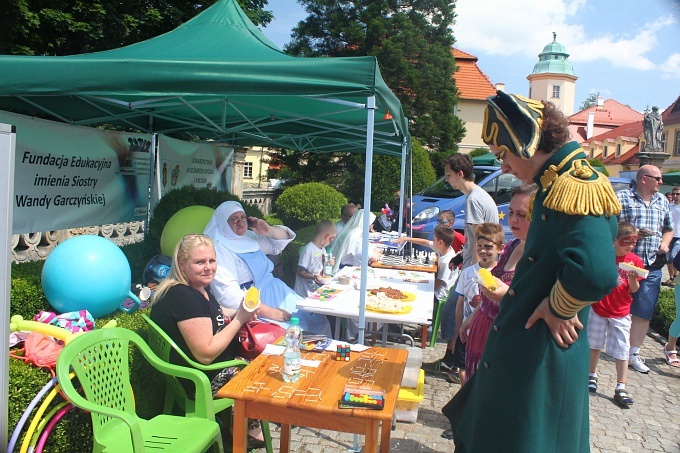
[(242, 262)]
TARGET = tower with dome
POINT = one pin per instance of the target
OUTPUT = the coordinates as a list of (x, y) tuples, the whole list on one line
[(553, 78)]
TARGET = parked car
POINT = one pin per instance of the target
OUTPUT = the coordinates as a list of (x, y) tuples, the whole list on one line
[(441, 196)]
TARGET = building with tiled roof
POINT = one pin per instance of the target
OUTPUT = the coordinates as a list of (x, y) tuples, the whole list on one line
[(670, 139), (473, 88), (601, 117), (616, 148)]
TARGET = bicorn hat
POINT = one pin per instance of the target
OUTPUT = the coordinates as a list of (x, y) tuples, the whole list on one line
[(513, 123)]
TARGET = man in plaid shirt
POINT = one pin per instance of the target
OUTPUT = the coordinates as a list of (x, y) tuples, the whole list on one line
[(648, 211)]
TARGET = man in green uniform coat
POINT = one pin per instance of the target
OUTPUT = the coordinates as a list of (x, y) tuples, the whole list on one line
[(530, 393)]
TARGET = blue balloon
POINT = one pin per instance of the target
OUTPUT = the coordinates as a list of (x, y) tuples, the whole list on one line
[(86, 273)]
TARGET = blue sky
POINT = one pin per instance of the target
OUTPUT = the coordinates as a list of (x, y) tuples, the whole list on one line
[(627, 50)]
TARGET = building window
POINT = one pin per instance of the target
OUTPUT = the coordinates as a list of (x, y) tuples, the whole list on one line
[(592, 153), (618, 150), (664, 137), (248, 170), (677, 143), (556, 92), (606, 150)]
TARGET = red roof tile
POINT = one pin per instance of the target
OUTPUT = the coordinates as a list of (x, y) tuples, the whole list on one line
[(471, 82), (628, 132), (672, 114), (628, 157), (612, 113)]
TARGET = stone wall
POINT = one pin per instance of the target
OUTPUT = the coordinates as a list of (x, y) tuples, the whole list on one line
[(36, 246)]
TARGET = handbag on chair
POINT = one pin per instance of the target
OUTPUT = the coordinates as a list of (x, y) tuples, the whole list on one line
[(255, 335)]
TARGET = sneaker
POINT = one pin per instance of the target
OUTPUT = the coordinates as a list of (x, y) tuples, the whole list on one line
[(446, 362), (592, 384), (447, 365), (638, 363), (452, 377), (622, 397)]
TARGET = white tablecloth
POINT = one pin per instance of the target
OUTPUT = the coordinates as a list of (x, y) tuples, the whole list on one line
[(346, 303)]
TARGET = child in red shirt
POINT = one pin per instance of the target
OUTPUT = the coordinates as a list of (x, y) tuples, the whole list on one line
[(609, 321)]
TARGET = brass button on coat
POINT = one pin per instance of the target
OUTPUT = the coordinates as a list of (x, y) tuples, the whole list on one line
[(544, 217), (495, 328), (511, 292), (486, 365), (532, 259)]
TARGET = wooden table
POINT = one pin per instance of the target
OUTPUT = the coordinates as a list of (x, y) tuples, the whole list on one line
[(431, 268), (259, 392)]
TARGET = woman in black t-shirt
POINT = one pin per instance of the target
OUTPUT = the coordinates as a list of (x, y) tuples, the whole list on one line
[(185, 308)]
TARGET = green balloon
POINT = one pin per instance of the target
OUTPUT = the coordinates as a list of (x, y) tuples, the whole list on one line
[(190, 220)]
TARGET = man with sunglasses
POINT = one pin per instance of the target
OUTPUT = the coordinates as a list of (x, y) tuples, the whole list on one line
[(649, 211)]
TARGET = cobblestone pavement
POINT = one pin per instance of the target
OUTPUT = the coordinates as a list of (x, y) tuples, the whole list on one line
[(651, 424)]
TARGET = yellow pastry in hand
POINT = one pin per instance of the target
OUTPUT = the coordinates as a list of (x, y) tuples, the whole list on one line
[(487, 279), (630, 268), (252, 299)]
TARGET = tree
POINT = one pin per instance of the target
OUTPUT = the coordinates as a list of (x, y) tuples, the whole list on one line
[(412, 42), (346, 172), (69, 27), (479, 152), (590, 101)]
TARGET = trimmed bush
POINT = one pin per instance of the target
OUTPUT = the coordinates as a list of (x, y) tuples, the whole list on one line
[(664, 313), (308, 204)]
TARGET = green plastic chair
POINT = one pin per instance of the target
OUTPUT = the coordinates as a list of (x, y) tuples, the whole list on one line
[(162, 344), (100, 361), (437, 322)]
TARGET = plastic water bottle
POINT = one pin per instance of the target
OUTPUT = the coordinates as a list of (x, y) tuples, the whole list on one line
[(160, 270), (328, 267), (292, 356)]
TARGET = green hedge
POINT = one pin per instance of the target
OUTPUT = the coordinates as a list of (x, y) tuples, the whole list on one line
[(308, 204), (664, 314)]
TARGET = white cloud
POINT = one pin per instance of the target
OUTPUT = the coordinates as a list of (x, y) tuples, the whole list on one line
[(523, 27), (670, 69)]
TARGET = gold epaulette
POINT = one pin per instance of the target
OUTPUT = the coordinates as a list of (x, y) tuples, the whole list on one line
[(581, 191)]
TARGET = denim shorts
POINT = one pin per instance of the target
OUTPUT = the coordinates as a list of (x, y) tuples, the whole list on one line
[(646, 298), (674, 249)]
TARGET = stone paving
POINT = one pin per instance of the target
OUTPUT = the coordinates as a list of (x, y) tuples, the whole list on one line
[(651, 424)]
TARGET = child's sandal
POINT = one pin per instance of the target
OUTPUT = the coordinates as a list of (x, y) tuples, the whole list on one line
[(621, 397), (674, 362), (592, 384)]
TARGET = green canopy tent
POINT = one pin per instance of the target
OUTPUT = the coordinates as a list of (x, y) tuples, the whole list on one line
[(486, 159), (671, 179), (215, 77)]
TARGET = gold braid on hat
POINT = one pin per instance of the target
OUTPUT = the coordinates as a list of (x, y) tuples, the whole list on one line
[(513, 123)]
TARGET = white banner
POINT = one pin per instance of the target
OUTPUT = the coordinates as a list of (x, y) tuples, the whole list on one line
[(70, 176), (200, 165)]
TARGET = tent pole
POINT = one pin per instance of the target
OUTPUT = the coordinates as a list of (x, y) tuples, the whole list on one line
[(152, 171), (370, 124), (7, 146), (370, 121), (400, 208)]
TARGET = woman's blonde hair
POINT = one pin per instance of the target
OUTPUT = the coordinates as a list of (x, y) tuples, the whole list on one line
[(176, 275)]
